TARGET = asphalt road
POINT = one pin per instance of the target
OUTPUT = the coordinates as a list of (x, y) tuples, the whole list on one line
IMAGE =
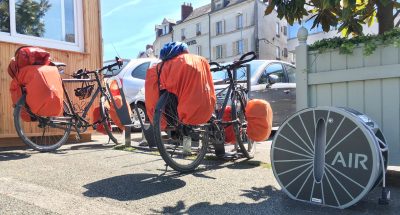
[(93, 178)]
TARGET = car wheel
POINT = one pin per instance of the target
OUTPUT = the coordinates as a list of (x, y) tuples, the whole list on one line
[(135, 117)]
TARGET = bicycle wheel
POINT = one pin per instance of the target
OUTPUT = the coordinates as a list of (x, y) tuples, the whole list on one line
[(182, 147), (109, 127), (43, 134), (247, 146)]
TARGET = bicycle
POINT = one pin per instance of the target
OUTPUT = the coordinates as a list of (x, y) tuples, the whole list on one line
[(183, 147), (55, 131)]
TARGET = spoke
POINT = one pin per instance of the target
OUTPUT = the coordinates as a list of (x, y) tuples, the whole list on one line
[(285, 150), (296, 160), (301, 188), (309, 153), (290, 170), (333, 191), (304, 142), (308, 135), (341, 185), (298, 176), (333, 168), (322, 190), (350, 133), (334, 133)]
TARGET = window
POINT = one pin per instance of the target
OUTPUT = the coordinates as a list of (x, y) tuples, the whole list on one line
[(183, 37), (140, 71), (198, 50), (276, 69), (219, 27), (219, 52), (198, 29), (239, 21), (291, 72), (239, 47), (277, 29), (165, 29), (53, 23), (278, 52), (285, 52), (285, 30)]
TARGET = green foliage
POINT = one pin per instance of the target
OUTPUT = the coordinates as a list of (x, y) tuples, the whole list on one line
[(4, 16), (347, 15), (29, 16), (346, 46)]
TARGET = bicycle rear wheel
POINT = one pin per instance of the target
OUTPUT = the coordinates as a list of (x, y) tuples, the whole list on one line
[(247, 146), (111, 130), (182, 147), (43, 134)]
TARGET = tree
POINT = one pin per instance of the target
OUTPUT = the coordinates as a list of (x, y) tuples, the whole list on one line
[(349, 15), (29, 17), (4, 16)]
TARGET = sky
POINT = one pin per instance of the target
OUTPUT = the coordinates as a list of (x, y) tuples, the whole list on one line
[(128, 25)]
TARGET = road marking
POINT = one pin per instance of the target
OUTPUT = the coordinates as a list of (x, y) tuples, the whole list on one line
[(55, 200)]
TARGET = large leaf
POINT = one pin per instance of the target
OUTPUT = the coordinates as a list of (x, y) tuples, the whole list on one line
[(270, 7)]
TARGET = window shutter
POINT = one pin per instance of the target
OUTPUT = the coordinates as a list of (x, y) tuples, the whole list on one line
[(234, 50), (214, 52), (245, 46), (224, 51), (223, 27)]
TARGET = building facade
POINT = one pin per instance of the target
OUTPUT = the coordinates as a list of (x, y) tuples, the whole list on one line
[(223, 30), (163, 34)]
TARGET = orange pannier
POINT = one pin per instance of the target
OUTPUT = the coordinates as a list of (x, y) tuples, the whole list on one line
[(189, 78), (44, 89), (259, 119), (115, 92), (229, 131), (96, 116), (16, 93)]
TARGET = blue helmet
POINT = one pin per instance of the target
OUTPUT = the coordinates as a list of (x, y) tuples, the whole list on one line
[(173, 49)]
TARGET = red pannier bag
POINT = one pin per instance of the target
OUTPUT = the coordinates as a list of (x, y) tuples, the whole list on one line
[(25, 56), (229, 131), (259, 119), (189, 78), (96, 116), (44, 89), (115, 91), (16, 93)]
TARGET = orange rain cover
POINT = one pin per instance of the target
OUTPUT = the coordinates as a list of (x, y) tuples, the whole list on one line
[(16, 93), (189, 78), (259, 119), (115, 92), (96, 116), (229, 131), (44, 89)]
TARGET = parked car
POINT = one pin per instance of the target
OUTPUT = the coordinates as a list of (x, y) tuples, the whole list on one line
[(132, 76), (271, 80)]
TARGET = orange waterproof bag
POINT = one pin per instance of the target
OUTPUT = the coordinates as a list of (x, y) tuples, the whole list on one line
[(189, 78), (259, 119), (115, 92), (229, 131), (44, 89)]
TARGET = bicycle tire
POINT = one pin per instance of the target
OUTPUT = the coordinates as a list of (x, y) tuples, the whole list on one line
[(104, 113), (44, 143), (166, 109), (238, 112)]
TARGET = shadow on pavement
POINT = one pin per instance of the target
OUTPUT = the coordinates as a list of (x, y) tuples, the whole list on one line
[(270, 200), (132, 186), (7, 156)]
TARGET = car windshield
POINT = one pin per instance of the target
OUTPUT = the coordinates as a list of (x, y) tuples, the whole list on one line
[(115, 70), (241, 72)]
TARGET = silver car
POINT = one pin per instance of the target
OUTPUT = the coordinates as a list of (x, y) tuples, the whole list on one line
[(132, 76), (271, 80)]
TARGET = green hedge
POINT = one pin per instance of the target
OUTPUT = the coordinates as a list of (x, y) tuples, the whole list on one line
[(370, 42)]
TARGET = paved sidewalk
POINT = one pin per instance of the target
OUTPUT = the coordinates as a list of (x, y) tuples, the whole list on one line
[(93, 178)]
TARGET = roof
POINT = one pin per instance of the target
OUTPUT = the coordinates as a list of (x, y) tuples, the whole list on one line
[(199, 12)]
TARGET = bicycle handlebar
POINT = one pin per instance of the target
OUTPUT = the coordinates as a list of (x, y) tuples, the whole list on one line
[(84, 73), (243, 59)]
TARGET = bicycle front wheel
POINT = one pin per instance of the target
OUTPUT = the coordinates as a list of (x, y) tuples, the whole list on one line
[(182, 147), (247, 146), (43, 134)]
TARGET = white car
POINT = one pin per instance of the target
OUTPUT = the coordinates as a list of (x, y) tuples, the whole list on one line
[(132, 76)]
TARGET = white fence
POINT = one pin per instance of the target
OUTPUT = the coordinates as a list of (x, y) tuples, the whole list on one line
[(369, 84)]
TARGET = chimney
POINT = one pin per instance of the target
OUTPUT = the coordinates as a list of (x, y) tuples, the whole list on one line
[(186, 10)]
